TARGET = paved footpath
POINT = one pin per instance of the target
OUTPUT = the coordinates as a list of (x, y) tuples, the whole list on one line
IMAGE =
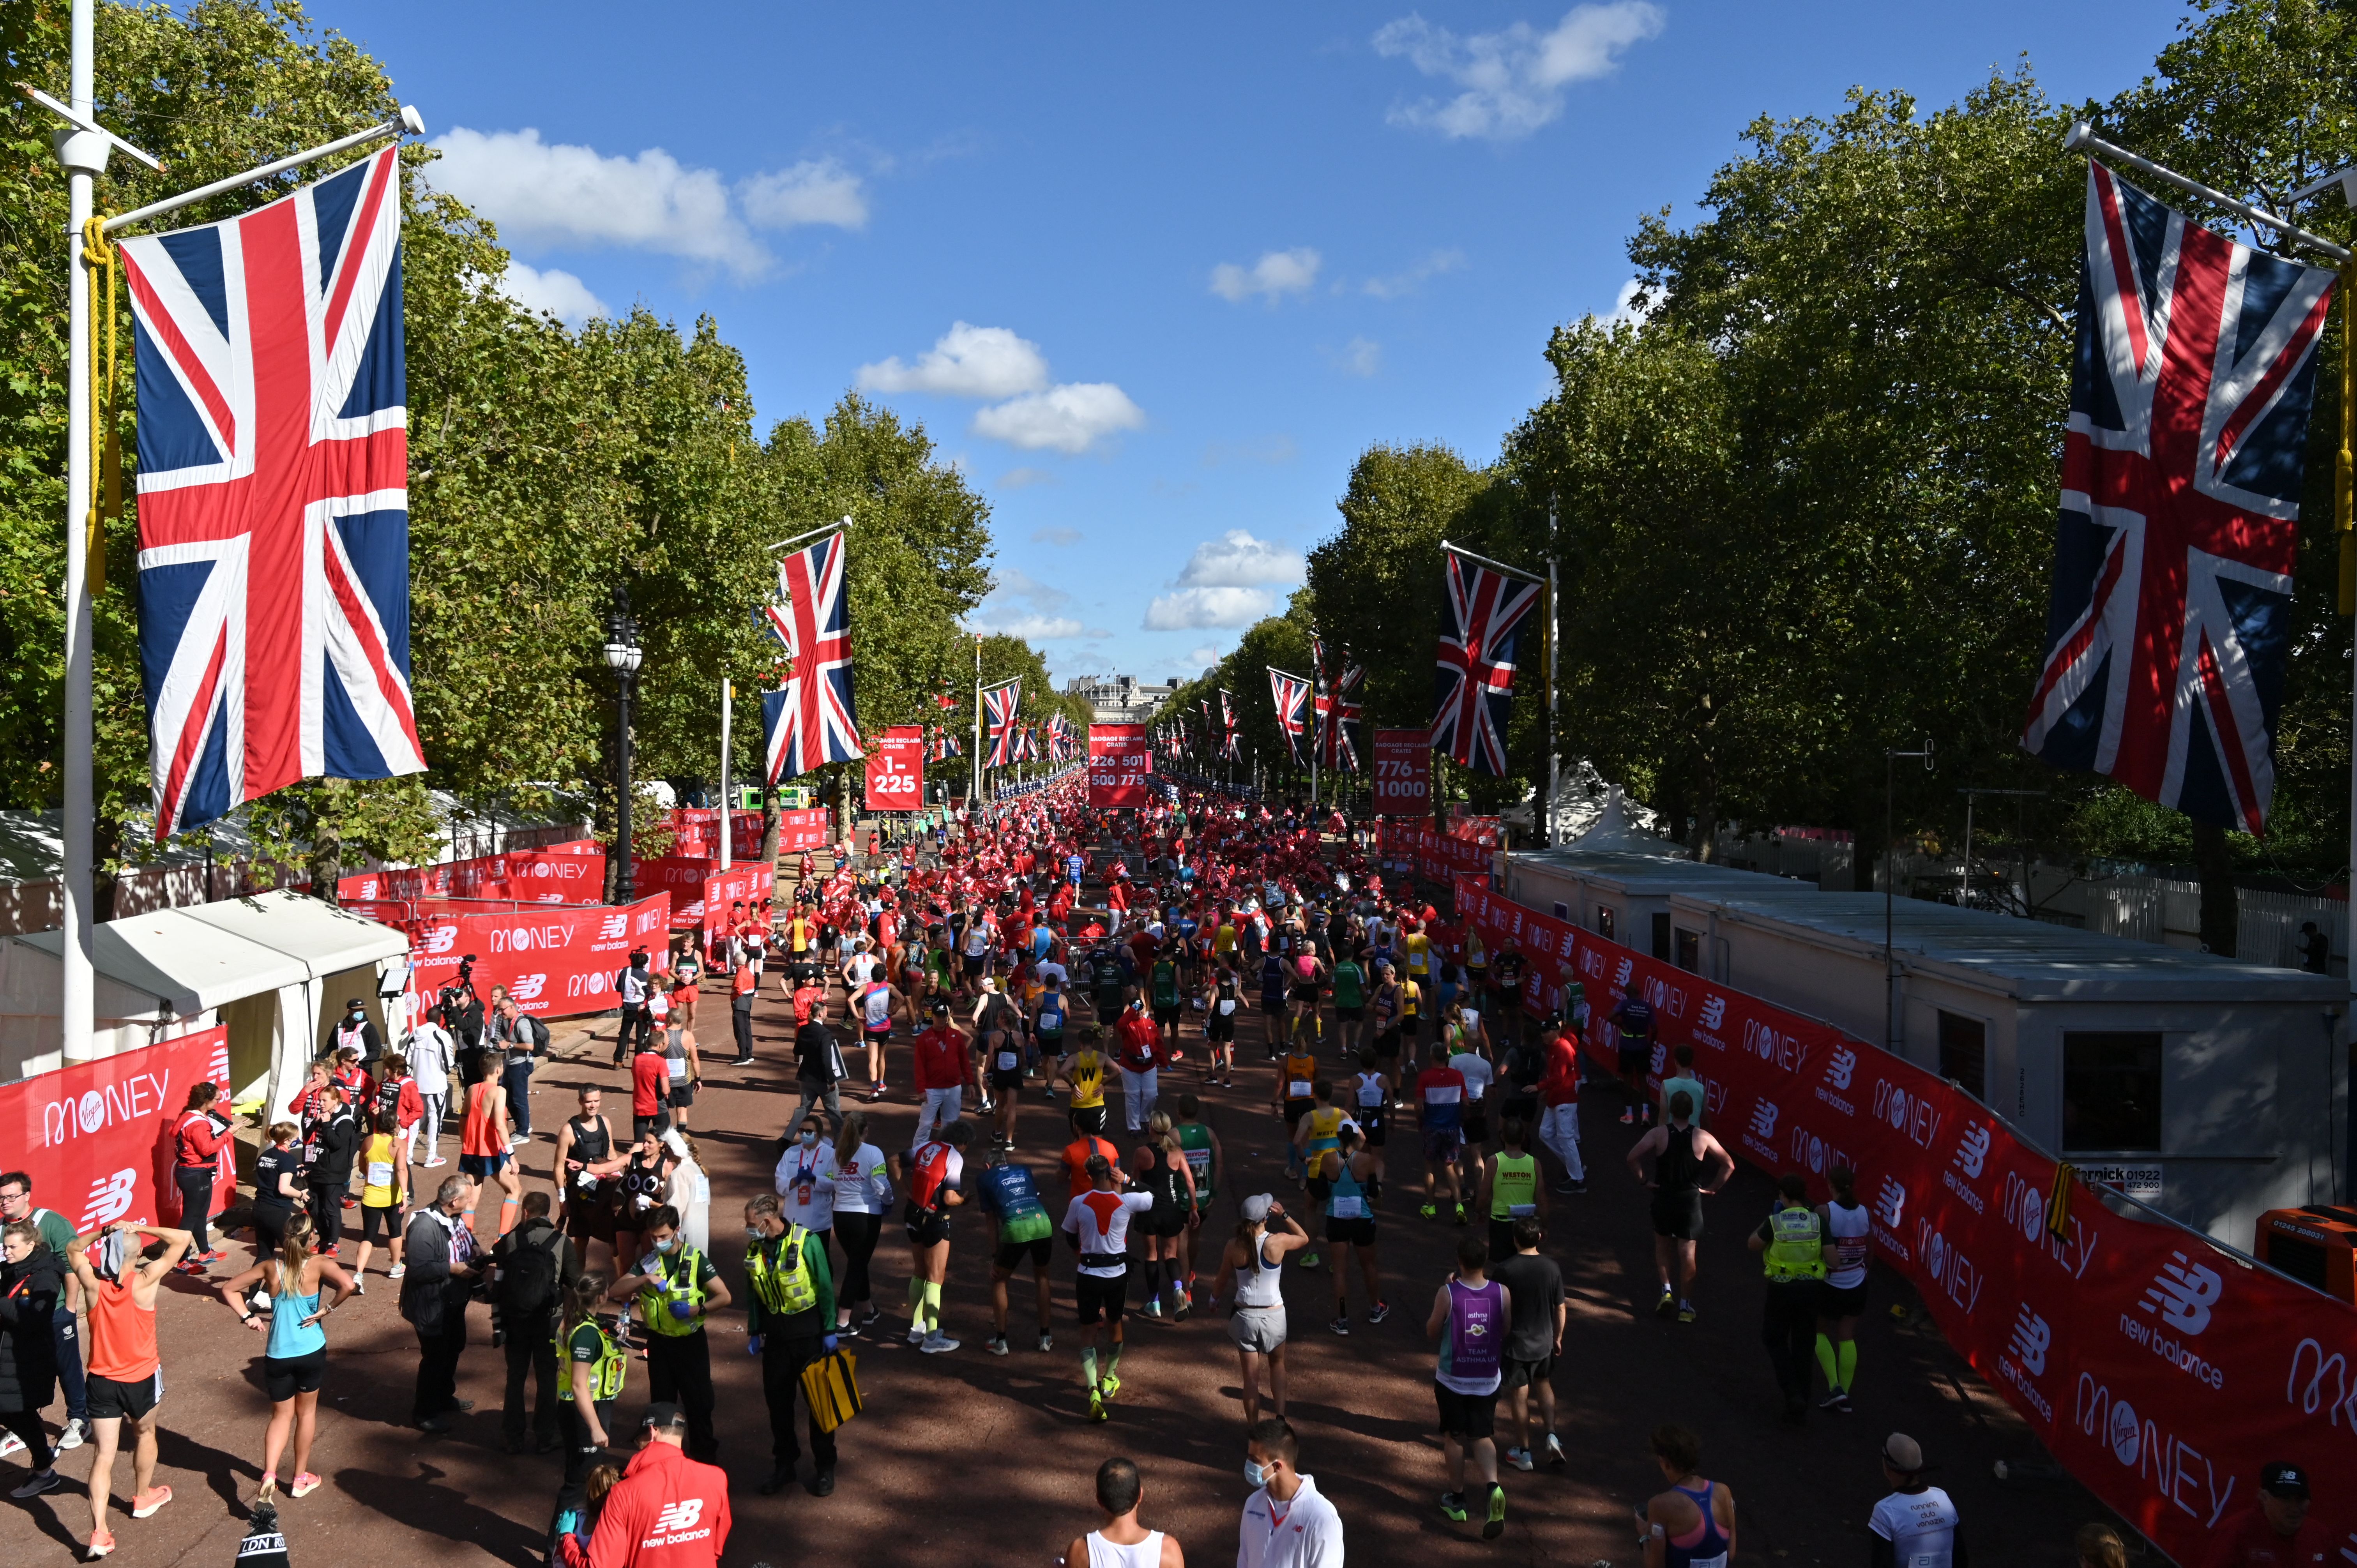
[(969, 1458)]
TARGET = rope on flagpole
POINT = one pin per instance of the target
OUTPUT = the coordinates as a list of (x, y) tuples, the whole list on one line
[(99, 253)]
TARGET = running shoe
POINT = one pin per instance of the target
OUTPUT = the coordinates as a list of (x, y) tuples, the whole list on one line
[(875, 1093), (1629, 1117), (1111, 1385), (996, 1345), (1569, 1189), (37, 1483), (102, 1542), (1308, 1260), (1341, 1326), (1555, 1454), (359, 1282), (1685, 1312), (1520, 1458), (1381, 1310), (1844, 1407), (1495, 1525), (144, 1504), (874, 1315), (1667, 1305), (1452, 1506), (10, 1443), (1460, 1213), (1097, 1410), (1430, 1211), (1833, 1400), (938, 1343), (916, 1334), (1047, 1343), (437, 1160), (305, 1485), (1151, 1309), (76, 1429), (396, 1272)]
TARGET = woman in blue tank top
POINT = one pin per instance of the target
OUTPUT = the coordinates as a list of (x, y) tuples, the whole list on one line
[(296, 1354), (1691, 1525)]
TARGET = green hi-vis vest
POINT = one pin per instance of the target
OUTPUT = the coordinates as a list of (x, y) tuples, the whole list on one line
[(654, 1302), (1794, 1245), (1514, 1188), (783, 1291), (604, 1373)]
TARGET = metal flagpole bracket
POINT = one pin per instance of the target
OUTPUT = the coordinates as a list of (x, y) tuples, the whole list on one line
[(409, 123), (2083, 138), (74, 157), (814, 534)]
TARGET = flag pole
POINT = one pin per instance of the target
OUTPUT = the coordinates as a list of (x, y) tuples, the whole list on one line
[(1554, 636), (973, 790), (727, 821), (2083, 138), (83, 155)]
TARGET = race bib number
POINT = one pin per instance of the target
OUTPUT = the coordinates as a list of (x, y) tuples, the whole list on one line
[(1009, 1061), (1347, 1207), (678, 1069), (1227, 1007), (586, 1180), (1297, 1090), (379, 1173)]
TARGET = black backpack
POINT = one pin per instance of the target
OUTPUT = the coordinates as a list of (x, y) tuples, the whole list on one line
[(538, 1032), (528, 1277)]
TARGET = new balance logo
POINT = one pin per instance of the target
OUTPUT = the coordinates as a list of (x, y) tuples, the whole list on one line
[(2032, 1336), (1763, 1120), (1890, 1203), (614, 926), (1621, 975), (528, 987), (1714, 1012), (1972, 1152), (109, 1198), (1838, 1070), (678, 1516), (442, 939), (2183, 1293)]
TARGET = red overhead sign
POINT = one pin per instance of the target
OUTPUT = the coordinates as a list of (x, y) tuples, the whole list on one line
[(1403, 773), (895, 771), (1121, 765)]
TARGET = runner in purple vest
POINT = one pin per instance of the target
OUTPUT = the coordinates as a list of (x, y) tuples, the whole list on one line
[(1469, 1319)]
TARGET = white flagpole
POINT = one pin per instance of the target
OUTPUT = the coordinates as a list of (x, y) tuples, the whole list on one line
[(727, 819), (83, 155)]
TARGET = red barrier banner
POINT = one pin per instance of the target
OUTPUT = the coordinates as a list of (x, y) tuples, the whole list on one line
[(701, 895), (564, 874), (1121, 765), (556, 960), (896, 769), (2162, 1371), (1439, 856), (1402, 780), (98, 1138), (696, 833), (805, 829)]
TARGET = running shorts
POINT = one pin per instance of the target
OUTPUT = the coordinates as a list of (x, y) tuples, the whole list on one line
[(928, 1227), (1097, 1297), (1090, 1119), (1008, 1083), (1469, 1418), (589, 1215), (1521, 1374), (1166, 1017), (973, 964), (113, 1400), (1295, 1109), (1257, 1328), (1041, 1250), (1349, 1014), (1476, 1126), (283, 1377), (1306, 995), (681, 1094), (380, 1224), (1371, 1123), (1220, 1028), (1387, 1045), (479, 1167), (1841, 1301), (1359, 1231), (1440, 1147), (1678, 1216)]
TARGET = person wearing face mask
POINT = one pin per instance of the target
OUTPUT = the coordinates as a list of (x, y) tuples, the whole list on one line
[(790, 1322), (805, 1179), (674, 1289), (1287, 1522), (356, 1030)]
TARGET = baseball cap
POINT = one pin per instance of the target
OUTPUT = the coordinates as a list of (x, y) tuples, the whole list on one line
[(2284, 1479), (1902, 1453), (1255, 1207), (939, 1006), (662, 1414), (355, 1002)]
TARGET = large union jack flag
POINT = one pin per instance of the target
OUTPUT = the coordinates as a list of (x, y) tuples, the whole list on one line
[(811, 720), (998, 705), (1291, 695), (1473, 687), (274, 497), (2181, 475), (1229, 746)]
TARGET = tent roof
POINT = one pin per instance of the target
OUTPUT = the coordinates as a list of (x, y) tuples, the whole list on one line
[(192, 959)]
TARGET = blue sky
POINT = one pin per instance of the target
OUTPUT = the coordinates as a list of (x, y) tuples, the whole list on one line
[(1153, 275)]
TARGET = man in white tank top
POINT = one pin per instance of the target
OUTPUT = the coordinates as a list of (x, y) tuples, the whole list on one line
[(1123, 1543)]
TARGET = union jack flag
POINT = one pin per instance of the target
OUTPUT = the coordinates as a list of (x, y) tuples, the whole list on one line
[(1229, 746), (2181, 476), (998, 705), (274, 497), (1291, 695), (1348, 710), (810, 720), (1474, 688)]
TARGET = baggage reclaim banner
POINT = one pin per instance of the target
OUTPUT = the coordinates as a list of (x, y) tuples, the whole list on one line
[(2161, 1370)]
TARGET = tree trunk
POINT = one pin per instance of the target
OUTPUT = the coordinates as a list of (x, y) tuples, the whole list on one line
[(2220, 908)]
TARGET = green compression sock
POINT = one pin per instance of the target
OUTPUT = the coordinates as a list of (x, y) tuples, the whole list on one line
[(1848, 1352), (933, 1305), (1089, 1366), (1112, 1360), (916, 1303), (1825, 1361)]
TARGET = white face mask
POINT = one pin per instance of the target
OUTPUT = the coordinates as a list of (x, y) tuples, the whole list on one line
[(1255, 1473)]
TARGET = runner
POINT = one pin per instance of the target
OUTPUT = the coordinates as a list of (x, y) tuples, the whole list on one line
[(1291, 1095), (1203, 1147), (933, 1172), (384, 1193), (1025, 1230), (1470, 1315), (1251, 1282), (1384, 1018), (125, 1379), (1918, 1525), (1440, 1111), (1163, 1170), (1049, 1014), (1372, 1093), (588, 1168), (1691, 1525), (863, 1197), (297, 1353), (1002, 1048), (1350, 1003), (483, 1139), (1346, 1172), (1222, 999), (1533, 1342), (1510, 1189), (1841, 1300), (1689, 1165), (1162, 988), (1096, 1224), (1122, 1541), (1319, 1135), (683, 1073), (674, 1289)]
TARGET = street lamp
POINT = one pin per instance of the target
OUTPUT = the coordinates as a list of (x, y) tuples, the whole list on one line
[(622, 656), (1891, 887)]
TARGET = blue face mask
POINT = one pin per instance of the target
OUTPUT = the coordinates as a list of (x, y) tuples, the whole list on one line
[(1255, 1474), (666, 1245)]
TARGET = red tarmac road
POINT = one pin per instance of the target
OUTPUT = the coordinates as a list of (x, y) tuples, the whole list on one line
[(970, 1459)]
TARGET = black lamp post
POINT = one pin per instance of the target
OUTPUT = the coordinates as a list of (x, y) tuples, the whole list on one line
[(622, 656)]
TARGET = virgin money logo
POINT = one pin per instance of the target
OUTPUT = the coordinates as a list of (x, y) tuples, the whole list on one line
[(1912, 1116), (2183, 1293)]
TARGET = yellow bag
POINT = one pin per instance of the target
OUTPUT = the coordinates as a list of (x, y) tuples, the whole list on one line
[(830, 1385)]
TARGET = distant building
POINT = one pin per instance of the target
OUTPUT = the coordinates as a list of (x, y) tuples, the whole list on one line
[(1119, 699)]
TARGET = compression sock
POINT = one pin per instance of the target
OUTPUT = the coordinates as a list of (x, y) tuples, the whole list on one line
[(916, 1303), (1089, 1366), (933, 1306), (1112, 1360), (1847, 1350), (508, 1206), (1825, 1361), (1154, 1280)]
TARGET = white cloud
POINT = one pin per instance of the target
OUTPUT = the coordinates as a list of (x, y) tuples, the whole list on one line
[(558, 194), (1190, 609), (1205, 656), (816, 190), (1360, 357), (1019, 604), (1062, 538), (1513, 80), (1276, 274), (1042, 628), (1628, 310), (1069, 418), (1398, 284), (964, 361), (1237, 560), (560, 294)]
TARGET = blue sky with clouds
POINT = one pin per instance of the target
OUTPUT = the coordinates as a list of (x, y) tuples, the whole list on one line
[(1153, 275)]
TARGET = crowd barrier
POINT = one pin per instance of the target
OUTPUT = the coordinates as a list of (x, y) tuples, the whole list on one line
[(2161, 1370), (556, 960), (98, 1137), (564, 874), (1435, 855)]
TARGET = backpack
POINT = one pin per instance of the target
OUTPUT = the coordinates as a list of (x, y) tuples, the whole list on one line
[(528, 1277), (538, 1033)]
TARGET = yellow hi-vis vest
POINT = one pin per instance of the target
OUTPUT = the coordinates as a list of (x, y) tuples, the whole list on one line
[(1794, 1241), (604, 1373), (654, 1302), (784, 1289)]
